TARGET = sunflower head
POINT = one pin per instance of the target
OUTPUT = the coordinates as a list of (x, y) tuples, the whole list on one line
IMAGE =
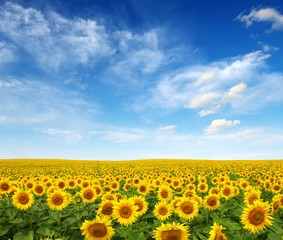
[(216, 233), (23, 199), (211, 202), (125, 212), (187, 208), (106, 209), (100, 228), (257, 216), (162, 211), (172, 231)]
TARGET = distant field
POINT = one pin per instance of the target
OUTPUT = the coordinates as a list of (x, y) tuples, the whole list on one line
[(142, 199)]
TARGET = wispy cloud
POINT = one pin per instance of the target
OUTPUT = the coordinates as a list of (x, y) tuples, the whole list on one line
[(123, 137), (219, 125), (167, 128), (66, 135), (52, 39), (263, 15), (228, 83), (7, 53), (247, 132)]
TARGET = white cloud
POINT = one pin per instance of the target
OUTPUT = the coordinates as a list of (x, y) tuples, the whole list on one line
[(206, 112), (247, 132), (167, 128), (52, 39), (263, 15), (204, 78), (203, 100), (234, 93), (68, 136), (219, 125), (241, 84), (123, 137), (7, 52)]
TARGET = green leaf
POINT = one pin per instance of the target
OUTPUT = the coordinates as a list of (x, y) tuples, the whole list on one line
[(45, 231), (137, 235), (21, 236), (17, 220), (54, 215), (4, 230), (274, 236), (122, 231)]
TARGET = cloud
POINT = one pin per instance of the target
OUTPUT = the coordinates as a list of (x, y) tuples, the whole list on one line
[(33, 102), (247, 132), (167, 128), (7, 53), (68, 136), (204, 78), (202, 100), (123, 137), (206, 112), (240, 84), (263, 15), (52, 39), (234, 93), (219, 125)]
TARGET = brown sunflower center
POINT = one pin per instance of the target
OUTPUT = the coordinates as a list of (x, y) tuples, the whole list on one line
[(23, 198), (142, 188), (29, 185), (226, 191), (252, 198), (5, 187), (187, 207), (71, 184), (97, 230), (256, 216), (276, 188), (125, 212), (61, 185), (171, 235), (212, 201), (163, 211), (39, 189), (88, 194), (164, 193), (107, 209), (175, 204), (98, 191), (139, 204), (57, 199)]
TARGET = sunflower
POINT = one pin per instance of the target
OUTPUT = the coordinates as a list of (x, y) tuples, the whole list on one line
[(162, 211), (275, 204), (202, 187), (214, 190), (57, 200), (98, 190), (106, 209), (108, 196), (251, 196), (198, 199), (216, 232), (4, 186), (276, 188), (115, 186), (143, 188), (88, 194), (38, 190), (227, 192), (187, 208), (125, 212), (211, 202), (23, 199), (141, 203), (98, 229), (71, 184), (256, 217), (30, 185), (169, 231), (165, 193)]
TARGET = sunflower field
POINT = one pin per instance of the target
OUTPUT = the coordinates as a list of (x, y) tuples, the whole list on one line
[(142, 199)]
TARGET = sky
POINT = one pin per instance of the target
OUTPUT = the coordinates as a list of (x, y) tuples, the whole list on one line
[(125, 79)]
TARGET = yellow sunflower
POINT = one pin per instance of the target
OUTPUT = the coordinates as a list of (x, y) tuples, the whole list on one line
[(165, 193), (98, 229), (57, 200), (172, 231), (106, 209), (38, 190), (141, 203), (174, 204), (162, 211), (227, 192), (202, 187), (143, 188), (23, 199), (256, 217), (4, 186), (216, 233), (125, 212), (187, 208), (88, 195), (211, 202), (251, 196)]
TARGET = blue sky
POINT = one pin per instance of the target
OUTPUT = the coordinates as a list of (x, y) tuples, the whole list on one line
[(141, 79)]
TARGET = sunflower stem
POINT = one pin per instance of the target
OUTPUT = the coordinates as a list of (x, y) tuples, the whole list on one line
[(243, 236)]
